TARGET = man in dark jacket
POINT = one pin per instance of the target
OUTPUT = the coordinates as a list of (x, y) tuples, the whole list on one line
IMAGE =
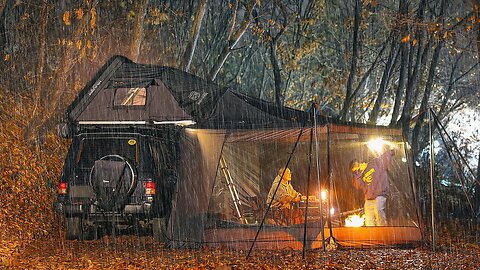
[(371, 178)]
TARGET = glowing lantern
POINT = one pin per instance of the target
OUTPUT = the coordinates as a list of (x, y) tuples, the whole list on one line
[(354, 221), (376, 145), (323, 195)]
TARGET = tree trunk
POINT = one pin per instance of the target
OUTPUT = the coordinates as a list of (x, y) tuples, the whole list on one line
[(138, 29), (232, 42), (412, 81), (476, 9), (3, 3), (382, 89), (193, 36), (353, 67), (42, 46), (404, 63), (370, 69), (428, 88), (426, 95), (49, 97), (415, 74), (276, 73), (477, 189), (401, 84)]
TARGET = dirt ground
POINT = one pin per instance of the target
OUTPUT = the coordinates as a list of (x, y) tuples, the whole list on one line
[(133, 252)]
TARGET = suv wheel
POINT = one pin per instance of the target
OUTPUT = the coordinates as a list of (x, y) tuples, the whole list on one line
[(74, 228), (77, 229), (159, 229), (113, 180)]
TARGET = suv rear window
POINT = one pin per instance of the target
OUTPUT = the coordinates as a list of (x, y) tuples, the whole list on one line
[(130, 97), (93, 149)]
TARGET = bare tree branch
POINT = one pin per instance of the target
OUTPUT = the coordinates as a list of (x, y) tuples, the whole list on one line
[(193, 36)]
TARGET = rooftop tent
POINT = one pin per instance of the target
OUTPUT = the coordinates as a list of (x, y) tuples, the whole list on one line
[(124, 92), (221, 198)]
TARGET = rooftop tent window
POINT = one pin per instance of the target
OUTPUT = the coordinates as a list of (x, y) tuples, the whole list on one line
[(134, 96)]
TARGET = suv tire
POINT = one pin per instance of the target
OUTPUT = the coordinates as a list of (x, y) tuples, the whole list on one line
[(74, 228), (113, 197), (159, 229)]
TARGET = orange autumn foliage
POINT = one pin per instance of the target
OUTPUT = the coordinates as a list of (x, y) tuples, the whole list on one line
[(28, 174)]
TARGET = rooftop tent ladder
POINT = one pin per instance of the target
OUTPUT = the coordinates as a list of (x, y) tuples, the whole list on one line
[(232, 189)]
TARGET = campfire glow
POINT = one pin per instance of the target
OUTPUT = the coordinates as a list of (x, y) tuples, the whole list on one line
[(354, 221)]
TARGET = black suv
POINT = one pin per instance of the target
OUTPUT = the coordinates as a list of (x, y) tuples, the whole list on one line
[(117, 179)]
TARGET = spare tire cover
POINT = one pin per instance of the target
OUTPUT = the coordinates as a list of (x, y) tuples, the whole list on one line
[(112, 179)]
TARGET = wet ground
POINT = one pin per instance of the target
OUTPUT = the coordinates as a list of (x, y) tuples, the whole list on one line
[(134, 252)]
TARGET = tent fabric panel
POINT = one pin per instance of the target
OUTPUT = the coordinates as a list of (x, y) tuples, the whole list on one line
[(289, 114), (236, 190), (279, 135), (291, 134), (99, 81), (231, 111), (163, 106), (195, 95), (373, 236), (401, 203), (101, 109), (160, 106), (254, 156), (292, 238), (365, 130), (242, 239), (200, 152)]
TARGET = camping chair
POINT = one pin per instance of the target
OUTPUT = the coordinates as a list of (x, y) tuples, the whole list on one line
[(277, 216)]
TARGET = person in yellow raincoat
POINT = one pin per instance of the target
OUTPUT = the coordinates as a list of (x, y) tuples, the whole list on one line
[(285, 196)]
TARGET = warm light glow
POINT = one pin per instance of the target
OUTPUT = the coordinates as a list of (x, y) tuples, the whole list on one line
[(354, 221), (378, 145), (323, 195), (332, 211)]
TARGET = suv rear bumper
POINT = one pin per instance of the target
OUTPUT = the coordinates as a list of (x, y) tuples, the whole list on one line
[(91, 210)]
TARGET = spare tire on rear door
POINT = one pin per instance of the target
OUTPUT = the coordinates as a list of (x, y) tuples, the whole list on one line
[(113, 180)]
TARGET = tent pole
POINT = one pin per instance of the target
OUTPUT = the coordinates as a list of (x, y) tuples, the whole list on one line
[(308, 189), (414, 185), (432, 197), (329, 176), (318, 176)]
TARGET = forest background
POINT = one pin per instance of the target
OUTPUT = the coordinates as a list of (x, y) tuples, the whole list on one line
[(369, 61)]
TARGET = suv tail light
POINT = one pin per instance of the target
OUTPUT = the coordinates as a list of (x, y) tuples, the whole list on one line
[(150, 188), (62, 188)]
